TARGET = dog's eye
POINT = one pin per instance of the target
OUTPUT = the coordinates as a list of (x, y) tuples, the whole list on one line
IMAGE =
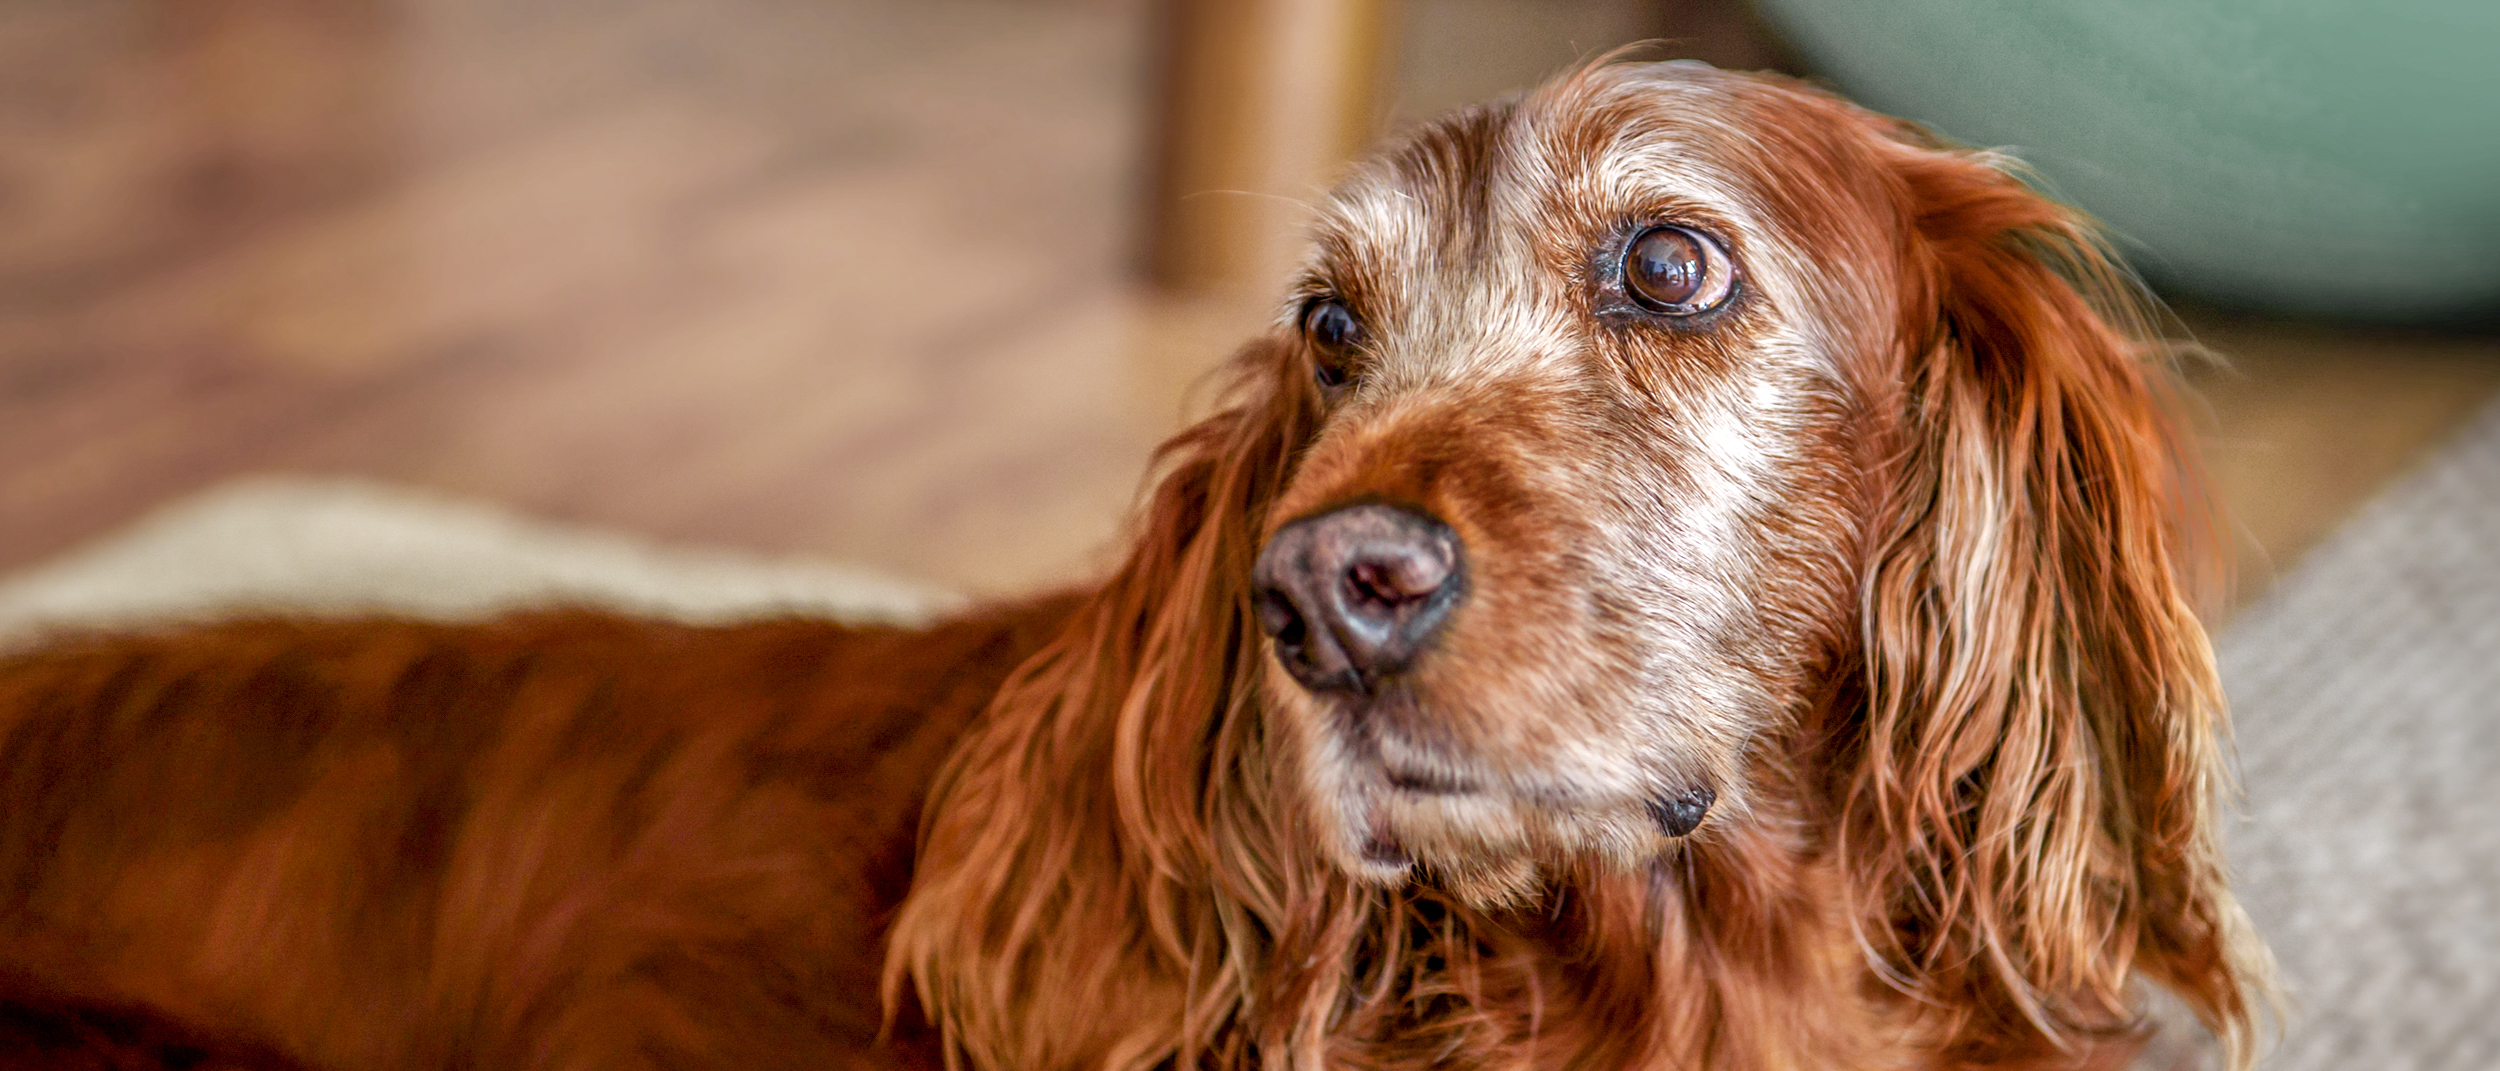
[(1677, 271), (1334, 333)]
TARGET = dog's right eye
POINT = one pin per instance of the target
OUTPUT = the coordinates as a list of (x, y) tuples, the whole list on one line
[(1677, 271), (1334, 333)]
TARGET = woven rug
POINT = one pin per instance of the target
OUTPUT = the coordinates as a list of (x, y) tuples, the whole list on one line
[(2366, 688)]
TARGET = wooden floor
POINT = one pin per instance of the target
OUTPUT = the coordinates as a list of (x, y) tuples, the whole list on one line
[(846, 278)]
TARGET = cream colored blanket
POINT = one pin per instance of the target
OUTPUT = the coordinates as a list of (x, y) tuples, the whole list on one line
[(334, 547)]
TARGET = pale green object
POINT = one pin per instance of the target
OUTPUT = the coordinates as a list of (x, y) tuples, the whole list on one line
[(2331, 158)]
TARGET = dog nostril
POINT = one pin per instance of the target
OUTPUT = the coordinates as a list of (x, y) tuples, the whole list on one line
[(1279, 619), (1399, 575)]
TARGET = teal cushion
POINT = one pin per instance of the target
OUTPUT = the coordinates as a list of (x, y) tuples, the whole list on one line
[(2332, 158)]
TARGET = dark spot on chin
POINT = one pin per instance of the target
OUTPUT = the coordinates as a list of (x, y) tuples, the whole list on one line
[(1678, 814), (1382, 851)]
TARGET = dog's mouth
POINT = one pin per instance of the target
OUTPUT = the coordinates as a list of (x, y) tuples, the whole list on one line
[(1403, 793), (1426, 783), (1390, 732)]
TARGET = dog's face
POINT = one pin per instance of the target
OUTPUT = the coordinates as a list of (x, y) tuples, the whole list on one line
[(1577, 526)]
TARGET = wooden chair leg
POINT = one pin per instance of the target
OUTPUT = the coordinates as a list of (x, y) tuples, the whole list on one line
[(1262, 102)]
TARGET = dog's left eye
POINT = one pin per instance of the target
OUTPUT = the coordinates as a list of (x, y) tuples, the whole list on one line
[(1334, 333), (1677, 271)]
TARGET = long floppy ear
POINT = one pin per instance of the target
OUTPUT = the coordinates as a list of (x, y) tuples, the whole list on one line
[(1058, 916), (2030, 817)]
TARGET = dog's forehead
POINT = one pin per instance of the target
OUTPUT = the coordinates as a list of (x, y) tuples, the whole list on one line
[(1621, 141)]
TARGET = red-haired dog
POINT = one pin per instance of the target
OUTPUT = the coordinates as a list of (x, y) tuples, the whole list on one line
[(1696, 578)]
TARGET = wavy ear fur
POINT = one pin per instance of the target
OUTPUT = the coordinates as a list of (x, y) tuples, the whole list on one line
[(2030, 817), (1060, 917)]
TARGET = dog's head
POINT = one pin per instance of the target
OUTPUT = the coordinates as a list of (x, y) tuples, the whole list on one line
[(1695, 451), (1584, 509)]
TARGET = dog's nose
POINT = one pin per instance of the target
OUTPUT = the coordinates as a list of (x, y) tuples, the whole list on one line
[(1354, 595)]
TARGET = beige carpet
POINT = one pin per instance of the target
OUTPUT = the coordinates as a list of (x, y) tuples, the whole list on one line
[(2366, 686)]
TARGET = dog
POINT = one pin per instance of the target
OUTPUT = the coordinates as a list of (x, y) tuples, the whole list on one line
[(1697, 575)]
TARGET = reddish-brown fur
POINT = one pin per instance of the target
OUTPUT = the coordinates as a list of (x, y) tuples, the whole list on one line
[(558, 840), (1966, 759)]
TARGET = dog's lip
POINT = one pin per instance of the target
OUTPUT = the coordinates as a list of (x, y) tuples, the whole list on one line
[(1426, 783), (1406, 764)]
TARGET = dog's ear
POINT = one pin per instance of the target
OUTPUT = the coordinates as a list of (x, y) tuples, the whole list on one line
[(2030, 811), (1057, 917)]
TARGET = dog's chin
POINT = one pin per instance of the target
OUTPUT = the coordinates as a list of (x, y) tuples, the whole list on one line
[(1392, 813), (1485, 848), (1367, 841)]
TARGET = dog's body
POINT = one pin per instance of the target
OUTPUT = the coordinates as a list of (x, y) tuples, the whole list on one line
[(1695, 579), (566, 839)]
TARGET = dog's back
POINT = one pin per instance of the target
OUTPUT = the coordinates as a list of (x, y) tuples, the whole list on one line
[(565, 839)]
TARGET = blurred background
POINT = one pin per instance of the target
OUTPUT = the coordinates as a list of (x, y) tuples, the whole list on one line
[(917, 283)]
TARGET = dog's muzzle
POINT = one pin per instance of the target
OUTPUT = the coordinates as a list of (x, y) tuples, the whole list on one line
[(1352, 597)]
